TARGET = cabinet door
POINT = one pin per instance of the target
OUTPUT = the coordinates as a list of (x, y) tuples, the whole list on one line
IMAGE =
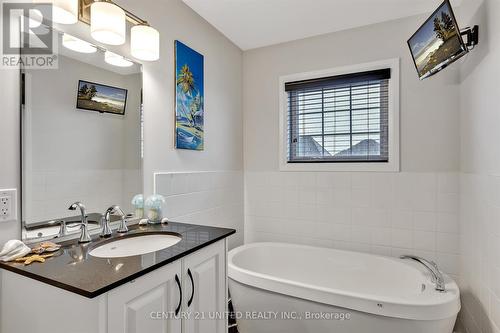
[(147, 304), (205, 304)]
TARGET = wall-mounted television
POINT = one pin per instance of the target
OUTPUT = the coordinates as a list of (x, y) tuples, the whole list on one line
[(437, 43), (101, 98)]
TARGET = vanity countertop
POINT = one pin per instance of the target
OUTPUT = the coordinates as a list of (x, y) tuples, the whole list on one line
[(73, 269)]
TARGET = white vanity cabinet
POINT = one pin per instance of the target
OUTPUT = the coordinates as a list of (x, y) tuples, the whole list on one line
[(143, 305), (147, 304), (205, 291)]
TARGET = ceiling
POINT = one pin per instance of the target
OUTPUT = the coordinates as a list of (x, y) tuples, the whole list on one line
[(256, 23)]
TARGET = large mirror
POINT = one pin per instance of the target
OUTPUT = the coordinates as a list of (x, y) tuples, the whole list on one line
[(81, 138)]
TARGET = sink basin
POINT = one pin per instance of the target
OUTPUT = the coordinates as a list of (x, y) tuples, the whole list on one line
[(135, 245)]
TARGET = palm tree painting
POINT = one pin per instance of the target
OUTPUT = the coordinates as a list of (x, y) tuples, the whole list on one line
[(189, 98)]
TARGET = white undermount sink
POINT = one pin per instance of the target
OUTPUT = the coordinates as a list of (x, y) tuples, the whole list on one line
[(135, 245)]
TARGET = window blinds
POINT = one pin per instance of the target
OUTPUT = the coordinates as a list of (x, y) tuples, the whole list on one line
[(339, 118)]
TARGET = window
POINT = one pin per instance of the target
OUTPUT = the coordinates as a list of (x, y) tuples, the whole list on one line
[(345, 117)]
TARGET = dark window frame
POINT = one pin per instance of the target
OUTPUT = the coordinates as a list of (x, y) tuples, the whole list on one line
[(363, 80)]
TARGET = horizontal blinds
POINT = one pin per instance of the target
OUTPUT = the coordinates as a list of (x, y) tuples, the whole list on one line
[(346, 79), (339, 119)]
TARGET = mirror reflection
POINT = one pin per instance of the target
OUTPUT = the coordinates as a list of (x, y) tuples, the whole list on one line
[(81, 138)]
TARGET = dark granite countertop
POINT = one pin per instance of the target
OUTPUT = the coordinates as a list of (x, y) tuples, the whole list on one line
[(73, 269)]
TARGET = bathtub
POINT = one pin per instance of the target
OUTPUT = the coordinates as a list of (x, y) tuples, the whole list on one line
[(299, 289)]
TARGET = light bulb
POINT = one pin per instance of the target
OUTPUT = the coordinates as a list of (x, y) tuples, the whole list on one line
[(63, 11), (78, 45), (116, 60), (145, 43), (107, 23)]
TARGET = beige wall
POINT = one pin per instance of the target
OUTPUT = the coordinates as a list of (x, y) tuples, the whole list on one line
[(429, 109), (223, 110), (9, 134), (9, 151), (223, 120), (413, 211)]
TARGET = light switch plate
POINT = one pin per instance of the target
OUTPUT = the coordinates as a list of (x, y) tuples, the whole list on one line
[(8, 205)]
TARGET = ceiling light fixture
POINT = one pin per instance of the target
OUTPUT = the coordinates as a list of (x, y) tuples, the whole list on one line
[(107, 23), (145, 43), (116, 60), (78, 45)]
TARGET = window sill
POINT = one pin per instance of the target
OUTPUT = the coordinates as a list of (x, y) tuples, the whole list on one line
[(341, 167)]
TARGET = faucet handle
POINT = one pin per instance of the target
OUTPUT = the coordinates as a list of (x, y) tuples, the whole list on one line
[(62, 229), (84, 233), (123, 225), (115, 209), (106, 229)]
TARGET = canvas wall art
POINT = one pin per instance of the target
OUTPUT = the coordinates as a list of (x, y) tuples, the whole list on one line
[(101, 98), (189, 98)]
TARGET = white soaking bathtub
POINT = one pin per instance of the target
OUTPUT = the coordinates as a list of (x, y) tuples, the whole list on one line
[(290, 288)]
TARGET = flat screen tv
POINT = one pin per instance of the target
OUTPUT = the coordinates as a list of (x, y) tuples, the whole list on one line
[(437, 43), (101, 98)]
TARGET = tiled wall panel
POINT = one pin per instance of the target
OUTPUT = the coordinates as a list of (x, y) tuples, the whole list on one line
[(382, 213), (206, 198)]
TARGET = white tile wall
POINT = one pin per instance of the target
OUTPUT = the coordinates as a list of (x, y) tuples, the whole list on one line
[(382, 213), (51, 192), (206, 198), (480, 246)]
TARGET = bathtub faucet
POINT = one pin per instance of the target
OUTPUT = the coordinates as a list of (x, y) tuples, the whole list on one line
[(437, 277)]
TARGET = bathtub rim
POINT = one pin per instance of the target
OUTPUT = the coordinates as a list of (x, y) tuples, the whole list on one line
[(446, 305)]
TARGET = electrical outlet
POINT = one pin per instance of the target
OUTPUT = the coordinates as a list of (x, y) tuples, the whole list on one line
[(8, 205)]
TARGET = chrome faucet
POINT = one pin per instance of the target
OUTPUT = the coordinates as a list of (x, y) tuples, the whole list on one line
[(106, 229), (437, 277), (84, 235)]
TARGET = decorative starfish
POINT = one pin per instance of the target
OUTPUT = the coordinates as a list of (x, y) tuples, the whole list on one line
[(36, 257)]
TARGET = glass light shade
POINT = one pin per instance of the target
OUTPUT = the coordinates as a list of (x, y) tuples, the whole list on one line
[(63, 11), (145, 43), (78, 45), (116, 60), (107, 23)]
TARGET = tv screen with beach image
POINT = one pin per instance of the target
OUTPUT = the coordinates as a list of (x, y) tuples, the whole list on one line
[(437, 43), (101, 98)]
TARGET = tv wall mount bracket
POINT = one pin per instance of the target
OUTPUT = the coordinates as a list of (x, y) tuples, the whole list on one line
[(472, 36)]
